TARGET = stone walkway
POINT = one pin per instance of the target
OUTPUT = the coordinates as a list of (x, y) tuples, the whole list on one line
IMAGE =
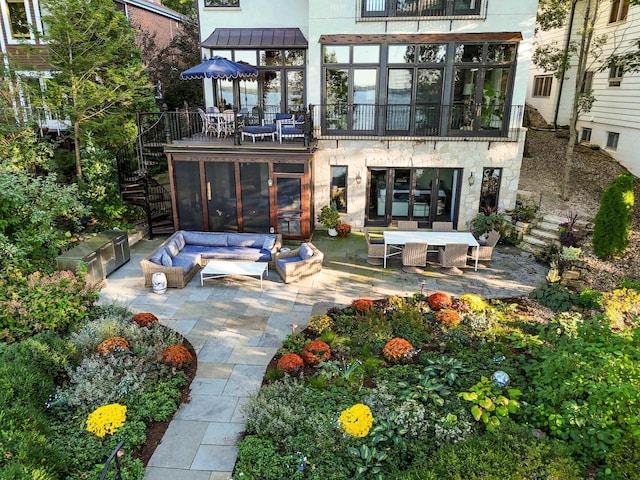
[(236, 328)]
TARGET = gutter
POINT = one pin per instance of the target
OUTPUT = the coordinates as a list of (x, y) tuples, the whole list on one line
[(566, 49)]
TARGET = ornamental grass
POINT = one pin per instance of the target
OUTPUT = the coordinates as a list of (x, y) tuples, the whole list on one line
[(448, 317), (145, 319), (397, 349), (290, 363), (176, 356), (357, 420), (106, 419), (439, 300), (316, 352), (113, 345), (362, 304)]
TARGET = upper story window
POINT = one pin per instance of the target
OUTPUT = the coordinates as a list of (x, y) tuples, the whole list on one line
[(420, 8), (18, 19), (587, 82), (615, 75), (619, 10), (542, 85), (221, 3)]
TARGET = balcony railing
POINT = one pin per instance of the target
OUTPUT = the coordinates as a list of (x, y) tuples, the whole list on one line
[(421, 8)]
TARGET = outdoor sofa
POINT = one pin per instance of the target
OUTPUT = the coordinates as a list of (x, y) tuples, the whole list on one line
[(182, 255)]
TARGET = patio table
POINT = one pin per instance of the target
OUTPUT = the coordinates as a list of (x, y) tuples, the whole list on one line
[(395, 239)]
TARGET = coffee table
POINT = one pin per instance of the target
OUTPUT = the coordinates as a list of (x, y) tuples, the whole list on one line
[(220, 268)]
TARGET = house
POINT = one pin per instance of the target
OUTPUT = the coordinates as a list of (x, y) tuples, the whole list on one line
[(18, 19), (612, 122), (411, 109)]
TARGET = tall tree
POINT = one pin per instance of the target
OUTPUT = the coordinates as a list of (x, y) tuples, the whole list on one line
[(586, 49), (98, 78)]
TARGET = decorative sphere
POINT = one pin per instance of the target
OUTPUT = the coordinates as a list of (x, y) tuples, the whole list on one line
[(500, 379)]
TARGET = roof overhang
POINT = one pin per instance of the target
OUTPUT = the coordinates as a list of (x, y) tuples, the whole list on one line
[(255, 38), (420, 38)]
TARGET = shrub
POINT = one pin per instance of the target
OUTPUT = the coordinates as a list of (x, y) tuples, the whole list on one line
[(397, 349), (362, 304), (290, 363), (259, 459), (555, 296), (113, 345), (144, 319), (612, 224), (475, 302), (315, 352), (176, 356), (448, 317), (622, 307), (439, 300), (319, 323), (39, 302)]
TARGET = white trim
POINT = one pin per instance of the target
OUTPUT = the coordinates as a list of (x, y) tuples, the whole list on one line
[(7, 23)]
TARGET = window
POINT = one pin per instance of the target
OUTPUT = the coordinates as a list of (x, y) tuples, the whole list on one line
[(339, 188), (612, 140), (619, 10), (615, 75), (18, 20), (420, 8), (490, 189), (587, 82), (586, 135), (221, 3), (542, 85)]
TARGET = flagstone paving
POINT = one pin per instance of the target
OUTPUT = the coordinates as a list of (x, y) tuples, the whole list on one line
[(236, 328)]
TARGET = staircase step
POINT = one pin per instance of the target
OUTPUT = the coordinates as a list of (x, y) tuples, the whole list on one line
[(544, 235), (550, 218), (547, 226), (538, 242)]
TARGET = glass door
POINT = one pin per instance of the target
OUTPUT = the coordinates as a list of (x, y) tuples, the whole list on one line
[(188, 195), (377, 198), (289, 201), (221, 196), (254, 198)]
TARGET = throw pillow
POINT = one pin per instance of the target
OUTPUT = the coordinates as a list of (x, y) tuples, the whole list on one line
[(166, 260), (305, 251), (269, 242)]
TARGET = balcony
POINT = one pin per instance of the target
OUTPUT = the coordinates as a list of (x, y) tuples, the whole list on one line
[(390, 9)]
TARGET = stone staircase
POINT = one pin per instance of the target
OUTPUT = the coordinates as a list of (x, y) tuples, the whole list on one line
[(540, 233)]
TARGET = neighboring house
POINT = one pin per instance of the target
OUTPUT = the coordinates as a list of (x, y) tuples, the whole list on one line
[(18, 18), (613, 121), (416, 107)]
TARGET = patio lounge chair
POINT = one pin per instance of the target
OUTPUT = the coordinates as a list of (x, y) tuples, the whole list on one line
[(290, 128), (259, 131), (299, 263), (414, 255), (485, 251), (453, 256)]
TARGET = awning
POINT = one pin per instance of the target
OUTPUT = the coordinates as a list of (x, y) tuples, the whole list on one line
[(256, 38)]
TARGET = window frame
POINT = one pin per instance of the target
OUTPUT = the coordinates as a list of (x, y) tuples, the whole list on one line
[(613, 139), (390, 10), (222, 3), (9, 24), (542, 86), (587, 82), (616, 72), (619, 11), (335, 181), (585, 134)]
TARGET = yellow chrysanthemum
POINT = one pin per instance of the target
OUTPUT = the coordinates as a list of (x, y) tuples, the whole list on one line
[(106, 419), (357, 420), (475, 302)]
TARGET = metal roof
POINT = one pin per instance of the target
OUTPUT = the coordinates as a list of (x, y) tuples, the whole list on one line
[(256, 37)]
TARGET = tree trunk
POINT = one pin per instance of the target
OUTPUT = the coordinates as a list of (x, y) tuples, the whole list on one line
[(76, 134)]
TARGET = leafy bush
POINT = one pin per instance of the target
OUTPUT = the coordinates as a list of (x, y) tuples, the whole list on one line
[(39, 302), (555, 296), (612, 224)]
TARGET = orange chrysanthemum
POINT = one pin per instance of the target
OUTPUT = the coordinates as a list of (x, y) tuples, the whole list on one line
[(316, 352), (145, 319), (439, 300), (397, 348), (448, 317), (362, 304), (176, 356), (112, 345), (290, 363)]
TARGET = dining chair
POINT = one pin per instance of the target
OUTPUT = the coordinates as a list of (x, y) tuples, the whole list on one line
[(485, 251), (452, 257), (414, 255), (442, 226), (407, 225), (209, 127), (228, 122), (375, 247)]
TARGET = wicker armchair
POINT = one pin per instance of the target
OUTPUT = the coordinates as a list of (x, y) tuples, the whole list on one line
[(375, 246), (414, 255), (407, 225), (293, 270), (452, 256), (485, 252), (442, 226)]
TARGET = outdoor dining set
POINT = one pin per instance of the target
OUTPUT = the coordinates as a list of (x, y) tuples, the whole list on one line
[(454, 249)]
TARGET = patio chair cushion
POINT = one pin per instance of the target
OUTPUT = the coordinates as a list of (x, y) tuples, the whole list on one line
[(247, 254), (157, 256), (282, 261), (207, 239), (172, 248), (259, 129), (305, 251), (186, 260), (166, 259), (253, 240), (179, 239), (269, 242), (284, 116), (286, 130)]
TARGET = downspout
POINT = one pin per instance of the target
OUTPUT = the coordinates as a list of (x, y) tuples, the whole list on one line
[(566, 49)]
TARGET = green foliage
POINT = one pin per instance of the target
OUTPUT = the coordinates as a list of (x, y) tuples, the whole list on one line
[(259, 459), (555, 296), (622, 307), (612, 224), (329, 217), (368, 461), (523, 213), (589, 299), (489, 404), (483, 223), (99, 186), (584, 388), (56, 302)]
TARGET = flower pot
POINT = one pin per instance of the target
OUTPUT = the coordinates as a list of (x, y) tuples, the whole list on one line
[(332, 232)]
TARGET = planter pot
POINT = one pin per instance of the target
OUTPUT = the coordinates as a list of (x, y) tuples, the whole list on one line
[(332, 232), (159, 282), (342, 235)]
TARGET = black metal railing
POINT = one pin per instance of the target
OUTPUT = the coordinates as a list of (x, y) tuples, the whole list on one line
[(420, 8), (115, 458)]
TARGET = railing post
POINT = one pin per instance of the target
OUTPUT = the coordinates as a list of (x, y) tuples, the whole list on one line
[(236, 131), (167, 127), (147, 207), (308, 115), (115, 455)]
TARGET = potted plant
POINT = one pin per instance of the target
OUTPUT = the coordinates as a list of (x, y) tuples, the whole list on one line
[(343, 229), (329, 218), (487, 220)]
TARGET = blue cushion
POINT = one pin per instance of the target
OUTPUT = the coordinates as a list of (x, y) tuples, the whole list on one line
[(300, 119), (207, 239), (248, 254), (172, 248), (254, 240), (305, 251), (292, 131), (186, 260), (269, 242), (282, 261), (157, 256), (259, 129), (284, 116), (166, 260), (179, 239)]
